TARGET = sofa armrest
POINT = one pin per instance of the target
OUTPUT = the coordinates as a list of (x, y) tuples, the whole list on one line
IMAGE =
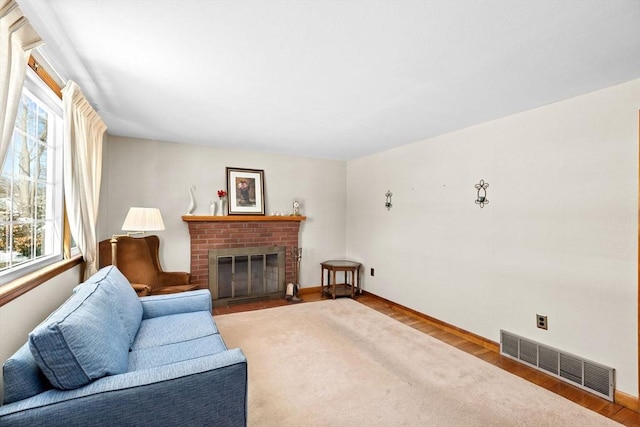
[(182, 302), (192, 392), (169, 278)]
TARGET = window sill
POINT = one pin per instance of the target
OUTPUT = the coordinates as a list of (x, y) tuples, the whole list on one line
[(14, 289)]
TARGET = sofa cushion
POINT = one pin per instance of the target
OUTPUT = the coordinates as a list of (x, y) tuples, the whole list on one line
[(22, 376), (120, 291), (152, 357), (174, 328), (84, 339)]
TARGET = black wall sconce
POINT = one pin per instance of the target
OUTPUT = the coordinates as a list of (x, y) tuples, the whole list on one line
[(388, 204), (482, 193)]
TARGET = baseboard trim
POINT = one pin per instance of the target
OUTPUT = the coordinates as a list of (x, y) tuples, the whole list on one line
[(627, 400), (621, 398), (311, 290)]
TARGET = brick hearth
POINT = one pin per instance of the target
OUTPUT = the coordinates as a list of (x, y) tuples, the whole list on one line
[(224, 232)]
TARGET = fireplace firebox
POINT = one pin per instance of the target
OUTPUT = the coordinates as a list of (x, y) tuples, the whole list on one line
[(239, 275)]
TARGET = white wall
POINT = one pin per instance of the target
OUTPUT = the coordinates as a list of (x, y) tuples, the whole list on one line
[(558, 237), (19, 316), (158, 174)]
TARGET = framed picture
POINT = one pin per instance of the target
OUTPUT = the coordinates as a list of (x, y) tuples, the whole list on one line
[(245, 190)]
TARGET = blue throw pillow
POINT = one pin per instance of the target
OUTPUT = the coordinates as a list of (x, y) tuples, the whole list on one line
[(84, 339), (120, 291)]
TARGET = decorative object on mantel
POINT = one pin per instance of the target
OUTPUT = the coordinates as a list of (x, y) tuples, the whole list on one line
[(481, 199), (283, 213), (212, 208), (388, 204), (137, 221), (246, 191), (294, 288), (192, 200), (221, 209), (296, 208)]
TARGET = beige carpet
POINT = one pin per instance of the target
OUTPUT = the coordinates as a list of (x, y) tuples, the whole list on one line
[(340, 363)]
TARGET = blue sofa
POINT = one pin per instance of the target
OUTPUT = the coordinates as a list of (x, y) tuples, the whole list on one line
[(107, 357)]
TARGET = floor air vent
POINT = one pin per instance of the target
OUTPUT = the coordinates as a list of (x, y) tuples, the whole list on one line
[(593, 377)]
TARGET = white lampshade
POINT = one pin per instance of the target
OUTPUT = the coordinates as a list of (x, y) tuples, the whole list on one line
[(143, 219)]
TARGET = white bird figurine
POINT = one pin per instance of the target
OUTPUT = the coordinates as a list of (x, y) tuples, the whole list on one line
[(192, 201)]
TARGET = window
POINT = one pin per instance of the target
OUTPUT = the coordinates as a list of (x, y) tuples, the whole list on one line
[(31, 192)]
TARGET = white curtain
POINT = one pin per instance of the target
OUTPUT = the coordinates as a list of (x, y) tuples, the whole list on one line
[(83, 134), (17, 39)]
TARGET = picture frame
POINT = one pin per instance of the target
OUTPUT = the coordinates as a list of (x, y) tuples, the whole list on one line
[(245, 191)]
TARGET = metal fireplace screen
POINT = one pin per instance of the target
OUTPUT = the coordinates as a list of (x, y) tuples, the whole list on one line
[(245, 274)]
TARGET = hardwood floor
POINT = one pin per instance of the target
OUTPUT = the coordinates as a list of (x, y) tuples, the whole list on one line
[(610, 410)]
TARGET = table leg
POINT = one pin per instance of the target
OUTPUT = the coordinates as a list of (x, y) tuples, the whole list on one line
[(353, 284), (333, 285)]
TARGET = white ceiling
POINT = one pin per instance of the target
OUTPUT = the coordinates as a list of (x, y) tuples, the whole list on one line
[(330, 79)]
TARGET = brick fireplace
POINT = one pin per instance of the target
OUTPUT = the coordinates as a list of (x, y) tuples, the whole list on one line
[(226, 232)]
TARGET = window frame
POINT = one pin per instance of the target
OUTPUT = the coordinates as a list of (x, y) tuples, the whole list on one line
[(71, 255), (36, 88)]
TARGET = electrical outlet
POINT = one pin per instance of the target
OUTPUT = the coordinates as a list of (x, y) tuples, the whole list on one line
[(373, 272), (541, 321)]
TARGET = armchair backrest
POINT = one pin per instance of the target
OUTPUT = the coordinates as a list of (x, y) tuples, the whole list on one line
[(137, 258)]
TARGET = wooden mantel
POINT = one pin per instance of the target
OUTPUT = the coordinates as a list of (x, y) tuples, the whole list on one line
[(242, 218)]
